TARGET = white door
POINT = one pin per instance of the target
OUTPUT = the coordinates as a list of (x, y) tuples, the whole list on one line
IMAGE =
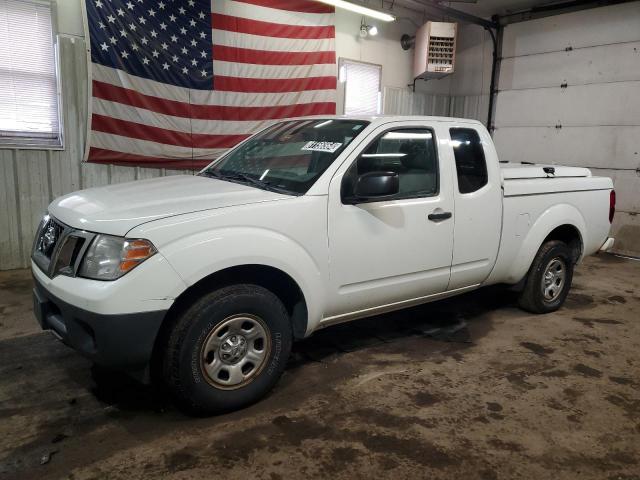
[(478, 204), (389, 250)]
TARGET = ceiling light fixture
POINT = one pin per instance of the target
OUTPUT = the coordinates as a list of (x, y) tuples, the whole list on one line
[(366, 30), (369, 12)]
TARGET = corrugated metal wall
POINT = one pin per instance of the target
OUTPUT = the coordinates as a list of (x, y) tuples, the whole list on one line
[(31, 179), (402, 101)]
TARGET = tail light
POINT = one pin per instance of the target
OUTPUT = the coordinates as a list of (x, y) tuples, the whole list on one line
[(612, 205)]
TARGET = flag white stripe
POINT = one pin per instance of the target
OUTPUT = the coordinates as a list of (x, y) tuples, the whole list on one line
[(259, 42), (145, 86), (179, 124), (273, 15), (244, 70)]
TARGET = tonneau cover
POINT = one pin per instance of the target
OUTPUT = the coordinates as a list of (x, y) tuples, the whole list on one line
[(513, 171)]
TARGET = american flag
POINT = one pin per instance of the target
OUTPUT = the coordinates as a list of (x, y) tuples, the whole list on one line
[(175, 83)]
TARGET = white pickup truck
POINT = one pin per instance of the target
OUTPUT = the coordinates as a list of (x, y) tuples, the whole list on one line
[(208, 279)]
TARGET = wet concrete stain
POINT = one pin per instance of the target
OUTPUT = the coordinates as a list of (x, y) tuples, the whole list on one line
[(505, 445), (576, 301), (180, 460), (590, 322), (622, 380), (555, 373), (631, 406), (537, 349), (592, 353), (17, 285), (518, 380), (587, 371), (425, 399), (617, 299)]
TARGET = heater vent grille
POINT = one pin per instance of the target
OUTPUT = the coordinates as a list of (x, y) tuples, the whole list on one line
[(435, 50), (441, 52)]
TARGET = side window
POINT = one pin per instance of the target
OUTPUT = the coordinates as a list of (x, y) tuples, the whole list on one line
[(470, 162), (411, 153)]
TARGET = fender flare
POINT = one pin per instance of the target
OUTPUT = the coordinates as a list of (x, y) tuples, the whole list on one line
[(552, 218)]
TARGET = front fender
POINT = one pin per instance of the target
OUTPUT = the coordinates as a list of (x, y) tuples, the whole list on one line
[(550, 219), (199, 255)]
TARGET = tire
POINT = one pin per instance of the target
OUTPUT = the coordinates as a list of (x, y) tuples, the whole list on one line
[(545, 296), (228, 350)]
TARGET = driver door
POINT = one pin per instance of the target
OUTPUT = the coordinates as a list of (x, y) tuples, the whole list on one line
[(393, 249)]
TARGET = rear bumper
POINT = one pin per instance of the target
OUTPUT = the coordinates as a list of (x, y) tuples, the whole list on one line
[(607, 245), (123, 341)]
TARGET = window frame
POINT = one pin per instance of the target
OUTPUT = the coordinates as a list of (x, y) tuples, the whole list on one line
[(26, 142), (398, 196), (484, 158), (342, 62)]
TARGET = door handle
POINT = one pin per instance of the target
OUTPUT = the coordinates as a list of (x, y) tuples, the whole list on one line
[(438, 217)]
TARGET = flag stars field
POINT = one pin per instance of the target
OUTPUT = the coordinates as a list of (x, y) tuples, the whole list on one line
[(181, 81)]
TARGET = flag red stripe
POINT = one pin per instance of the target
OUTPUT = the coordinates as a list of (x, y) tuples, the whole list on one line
[(267, 57), (101, 155), (269, 29), (126, 96), (273, 85), (304, 6), (133, 98), (102, 123)]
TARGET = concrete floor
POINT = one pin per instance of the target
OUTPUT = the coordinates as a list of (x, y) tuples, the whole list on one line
[(468, 388)]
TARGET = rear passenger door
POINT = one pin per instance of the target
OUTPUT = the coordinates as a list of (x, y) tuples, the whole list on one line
[(478, 205), (389, 250)]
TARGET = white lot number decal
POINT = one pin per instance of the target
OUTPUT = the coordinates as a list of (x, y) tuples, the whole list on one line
[(322, 146)]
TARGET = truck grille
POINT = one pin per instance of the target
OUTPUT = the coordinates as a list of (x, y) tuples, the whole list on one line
[(58, 248)]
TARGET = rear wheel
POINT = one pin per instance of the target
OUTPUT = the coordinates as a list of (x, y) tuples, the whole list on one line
[(549, 278), (228, 350)]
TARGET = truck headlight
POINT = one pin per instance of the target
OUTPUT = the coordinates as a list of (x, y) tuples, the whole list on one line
[(109, 257)]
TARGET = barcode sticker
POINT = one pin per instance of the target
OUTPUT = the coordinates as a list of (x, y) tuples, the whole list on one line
[(322, 146)]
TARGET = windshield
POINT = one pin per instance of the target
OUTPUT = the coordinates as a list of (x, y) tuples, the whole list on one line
[(288, 157)]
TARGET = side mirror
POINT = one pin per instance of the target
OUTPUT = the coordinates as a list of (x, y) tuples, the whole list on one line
[(373, 186)]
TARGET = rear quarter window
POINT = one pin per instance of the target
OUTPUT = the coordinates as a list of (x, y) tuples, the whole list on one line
[(471, 165)]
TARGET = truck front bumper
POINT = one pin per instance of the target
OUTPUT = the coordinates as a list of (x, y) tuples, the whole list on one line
[(123, 341)]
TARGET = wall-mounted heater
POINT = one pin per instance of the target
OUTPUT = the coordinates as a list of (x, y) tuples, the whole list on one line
[(435, 50)]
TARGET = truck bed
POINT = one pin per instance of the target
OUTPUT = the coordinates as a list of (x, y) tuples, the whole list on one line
[(534, 193), (531, 179)]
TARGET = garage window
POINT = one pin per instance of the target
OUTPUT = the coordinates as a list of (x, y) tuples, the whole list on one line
[(471, 165), (29, 113), (362, 92)]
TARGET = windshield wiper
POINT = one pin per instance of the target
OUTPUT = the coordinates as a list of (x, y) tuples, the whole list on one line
[(243, 177)]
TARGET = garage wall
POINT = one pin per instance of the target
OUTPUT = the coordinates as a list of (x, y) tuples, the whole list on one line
[(31, 179), (569, 93)]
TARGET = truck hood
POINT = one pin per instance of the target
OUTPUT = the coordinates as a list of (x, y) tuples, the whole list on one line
[(116, 209)]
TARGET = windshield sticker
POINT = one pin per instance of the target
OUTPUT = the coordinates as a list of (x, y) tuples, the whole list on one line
[(322, 146)]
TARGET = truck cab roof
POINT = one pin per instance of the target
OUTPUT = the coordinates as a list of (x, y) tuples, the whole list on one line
[(382, 119)]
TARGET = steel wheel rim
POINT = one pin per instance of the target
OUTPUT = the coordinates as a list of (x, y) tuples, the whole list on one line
[(235, 351), (553, 279)]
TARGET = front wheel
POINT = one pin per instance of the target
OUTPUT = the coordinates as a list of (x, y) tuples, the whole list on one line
[(549, 278), (228, 350)]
